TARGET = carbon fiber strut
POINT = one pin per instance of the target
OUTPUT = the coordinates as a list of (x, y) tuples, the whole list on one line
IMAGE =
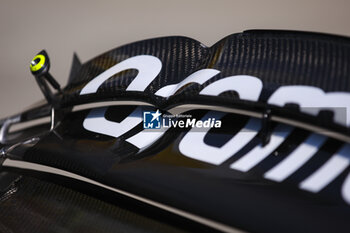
[(39, 67)]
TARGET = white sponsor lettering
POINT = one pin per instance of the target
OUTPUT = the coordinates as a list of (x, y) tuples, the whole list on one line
[(148, 68), (328, 172), (260, 152), (310, 99), (217, 155), (296, 159), (248, 87), (96, 122)]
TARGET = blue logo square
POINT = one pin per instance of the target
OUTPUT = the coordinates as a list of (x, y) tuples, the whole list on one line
[(152, 120)]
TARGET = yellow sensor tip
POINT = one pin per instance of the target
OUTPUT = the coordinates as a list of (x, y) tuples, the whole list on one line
[(37, 63)]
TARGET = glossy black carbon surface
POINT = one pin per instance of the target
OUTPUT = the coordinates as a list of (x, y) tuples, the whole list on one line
[(277, 58), (33, 205), (161, 172)]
